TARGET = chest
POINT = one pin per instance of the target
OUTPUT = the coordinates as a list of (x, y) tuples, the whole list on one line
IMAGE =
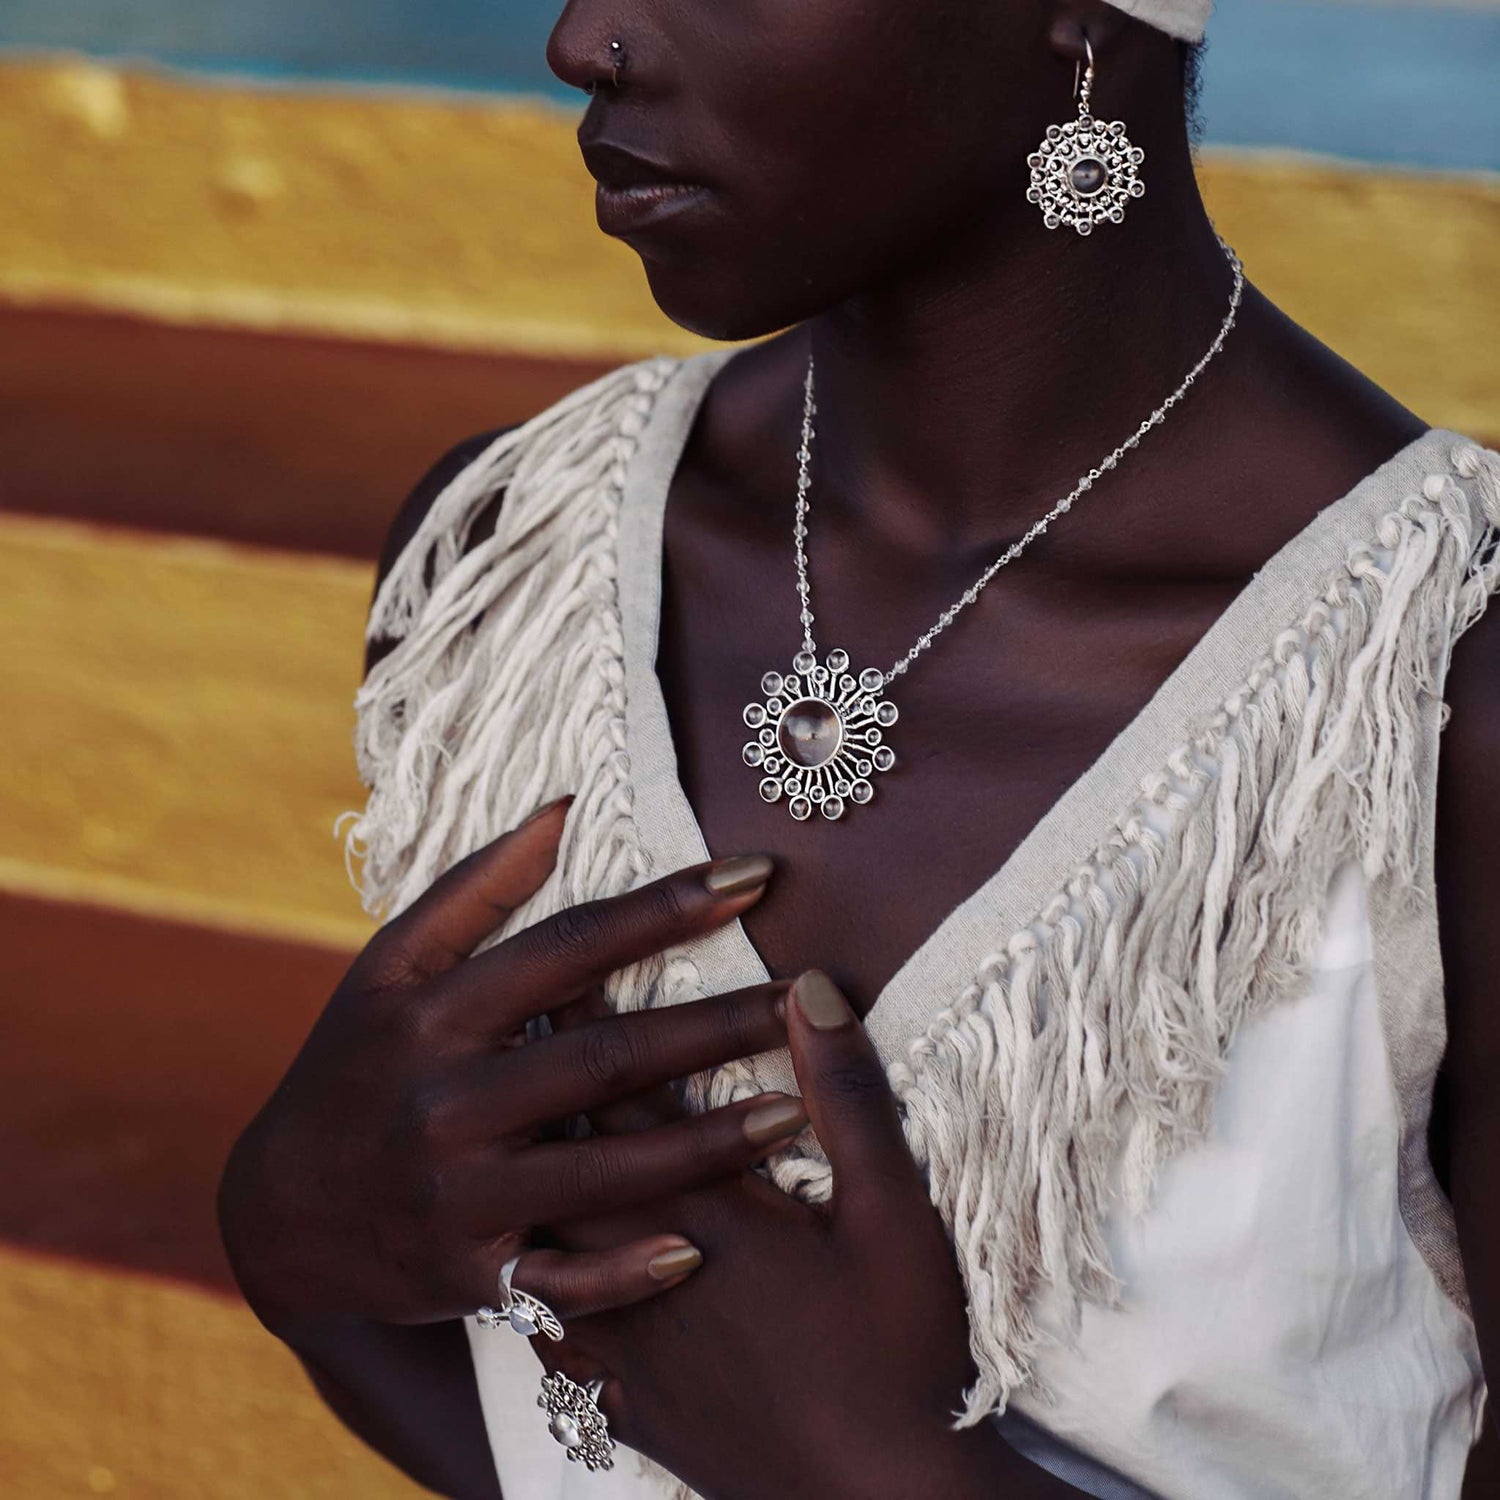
[(1007, 710)]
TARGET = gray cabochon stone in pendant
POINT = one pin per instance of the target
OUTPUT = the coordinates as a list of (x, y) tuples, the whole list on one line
[(810, 732)]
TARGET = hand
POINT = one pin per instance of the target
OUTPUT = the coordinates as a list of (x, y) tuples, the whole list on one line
[(819, 1353), (404, 1156)]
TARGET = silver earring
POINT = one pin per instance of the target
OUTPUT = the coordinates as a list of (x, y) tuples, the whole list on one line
[(1086, 171)]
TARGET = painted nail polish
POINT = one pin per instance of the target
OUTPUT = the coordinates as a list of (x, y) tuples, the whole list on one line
[(737, 875), (774, 1121), (821, 1001), (547, 807), (671, 1264)]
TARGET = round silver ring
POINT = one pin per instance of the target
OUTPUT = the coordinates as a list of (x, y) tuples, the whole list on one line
[(575, 1421), (518, 1310)]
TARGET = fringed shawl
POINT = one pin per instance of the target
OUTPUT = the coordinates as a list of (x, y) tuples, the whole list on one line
[(1087, 1048)]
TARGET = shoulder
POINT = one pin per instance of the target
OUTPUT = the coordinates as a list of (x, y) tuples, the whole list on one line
[(570, 443), (1468, 875), (413, 511)]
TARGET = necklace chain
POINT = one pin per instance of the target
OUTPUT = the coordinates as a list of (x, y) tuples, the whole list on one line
[(1086, 483)]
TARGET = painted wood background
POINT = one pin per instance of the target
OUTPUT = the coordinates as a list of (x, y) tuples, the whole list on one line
[(259, 264)]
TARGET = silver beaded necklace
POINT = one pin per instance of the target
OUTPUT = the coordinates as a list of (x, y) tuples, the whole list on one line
[(820, 729)]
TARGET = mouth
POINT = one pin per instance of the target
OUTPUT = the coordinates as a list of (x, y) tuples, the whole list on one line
[(634, 191)]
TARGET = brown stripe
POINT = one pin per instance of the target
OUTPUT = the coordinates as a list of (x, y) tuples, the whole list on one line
[(281, 440), (132, 1052)]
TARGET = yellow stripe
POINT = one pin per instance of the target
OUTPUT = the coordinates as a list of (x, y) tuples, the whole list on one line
[(178, 727), (1395, 272), (113, 1384), (469, 222), (436, 218)]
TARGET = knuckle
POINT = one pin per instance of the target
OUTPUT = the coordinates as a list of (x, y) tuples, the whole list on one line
[(665, 904), (598, 1285), (853, 1084), (573, 935), (414, 1020), (421, 1117), (590, 1178), (608, 1057), (709, 1146), (738, 1019), (388, 963)]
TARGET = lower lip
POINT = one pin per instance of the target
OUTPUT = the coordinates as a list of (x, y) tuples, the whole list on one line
[(622, 210)]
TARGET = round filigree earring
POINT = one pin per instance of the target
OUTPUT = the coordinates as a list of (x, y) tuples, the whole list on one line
[(1086, 171)]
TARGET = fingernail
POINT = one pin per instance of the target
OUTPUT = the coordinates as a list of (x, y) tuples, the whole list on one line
[(542, 811), (774, 1121), (737, 874), (671, 1264), (821, 1001), (781, 1003)]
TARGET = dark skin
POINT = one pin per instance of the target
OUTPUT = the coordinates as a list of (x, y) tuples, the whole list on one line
[(863, 161)]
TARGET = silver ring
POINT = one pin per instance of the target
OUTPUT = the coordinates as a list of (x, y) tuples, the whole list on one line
[(575, 1421), (523, 1313)]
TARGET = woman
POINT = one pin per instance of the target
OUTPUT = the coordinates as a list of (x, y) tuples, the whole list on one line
[(1125, 1185)]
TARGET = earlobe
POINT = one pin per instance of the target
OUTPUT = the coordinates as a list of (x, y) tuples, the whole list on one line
[(1073, 18)]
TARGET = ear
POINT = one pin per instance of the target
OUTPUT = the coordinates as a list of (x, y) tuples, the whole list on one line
[(1071, 18)]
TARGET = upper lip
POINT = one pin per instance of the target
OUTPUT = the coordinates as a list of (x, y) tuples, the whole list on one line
[(621, 169)]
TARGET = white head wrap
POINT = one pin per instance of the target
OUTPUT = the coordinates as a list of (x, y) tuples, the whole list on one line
[(1180, 18)]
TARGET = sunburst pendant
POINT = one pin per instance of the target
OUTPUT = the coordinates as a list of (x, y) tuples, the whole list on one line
[(820, 735)]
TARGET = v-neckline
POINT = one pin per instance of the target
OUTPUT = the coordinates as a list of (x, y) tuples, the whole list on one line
[(948, 958)]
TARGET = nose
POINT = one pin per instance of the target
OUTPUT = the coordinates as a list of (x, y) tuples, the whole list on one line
[(579, 51)]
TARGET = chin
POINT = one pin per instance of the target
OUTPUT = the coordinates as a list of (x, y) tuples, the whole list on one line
[(700, 297), (728, 302)]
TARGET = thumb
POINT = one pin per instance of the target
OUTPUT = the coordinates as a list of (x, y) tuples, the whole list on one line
[(849, 1100)]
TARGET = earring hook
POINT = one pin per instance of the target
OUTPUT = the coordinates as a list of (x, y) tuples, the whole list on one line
[(1087, 76)]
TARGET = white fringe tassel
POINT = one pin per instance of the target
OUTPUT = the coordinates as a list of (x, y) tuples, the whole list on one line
[(1087, 1049)]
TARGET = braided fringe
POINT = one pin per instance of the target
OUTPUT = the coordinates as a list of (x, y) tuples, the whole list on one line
[(1087, 1052), (507, 687)]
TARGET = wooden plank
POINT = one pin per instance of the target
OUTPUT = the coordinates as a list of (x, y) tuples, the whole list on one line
[(179, 722), (466, 222), (114, 1384), (132, 1052), (278, 440)]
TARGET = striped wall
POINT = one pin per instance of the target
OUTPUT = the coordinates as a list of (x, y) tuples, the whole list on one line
[(258, 265), (1390, 82)]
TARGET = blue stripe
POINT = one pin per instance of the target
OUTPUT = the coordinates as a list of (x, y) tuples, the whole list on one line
[(1408, 84), (490, 45), (1413, 85)]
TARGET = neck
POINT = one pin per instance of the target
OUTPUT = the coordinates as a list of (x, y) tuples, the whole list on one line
[(1015, 354)]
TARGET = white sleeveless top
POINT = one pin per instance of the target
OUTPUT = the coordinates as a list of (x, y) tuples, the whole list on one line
[(1200, 1005)]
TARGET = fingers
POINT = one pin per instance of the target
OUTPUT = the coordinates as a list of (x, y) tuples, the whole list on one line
[(617, 1056), (552, 962), (849, 1100), (444, 925), (579, 1284), (658, 1106), (554, 1182)]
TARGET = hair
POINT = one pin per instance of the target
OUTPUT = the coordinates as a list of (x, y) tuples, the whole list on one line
[(1191, 55)]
